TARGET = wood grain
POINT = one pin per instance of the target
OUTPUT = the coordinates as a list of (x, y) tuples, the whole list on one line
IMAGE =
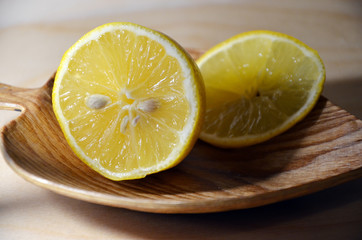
[(321, 151)]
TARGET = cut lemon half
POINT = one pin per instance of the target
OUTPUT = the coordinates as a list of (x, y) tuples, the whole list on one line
[(258, 85), (129, 100)]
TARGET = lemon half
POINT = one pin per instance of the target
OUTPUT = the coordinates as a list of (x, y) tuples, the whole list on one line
[(258, 85), (130, 100)]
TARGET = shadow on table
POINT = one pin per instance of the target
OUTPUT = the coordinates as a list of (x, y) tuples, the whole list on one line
[(330, 214), (346, 93)]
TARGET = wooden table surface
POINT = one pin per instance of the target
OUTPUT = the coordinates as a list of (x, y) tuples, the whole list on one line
[(35, 34)]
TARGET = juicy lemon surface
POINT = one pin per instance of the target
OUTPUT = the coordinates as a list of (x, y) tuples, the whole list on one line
[(129, 100), (258, 85)]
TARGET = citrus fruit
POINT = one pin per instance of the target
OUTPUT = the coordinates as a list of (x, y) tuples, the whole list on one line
[(129, 100), (258, 84)]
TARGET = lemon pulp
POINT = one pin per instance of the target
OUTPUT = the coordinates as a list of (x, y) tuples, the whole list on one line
[(129, 100), (258, 85)]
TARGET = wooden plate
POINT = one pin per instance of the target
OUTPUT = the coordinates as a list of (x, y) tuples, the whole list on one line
[(321, 151)]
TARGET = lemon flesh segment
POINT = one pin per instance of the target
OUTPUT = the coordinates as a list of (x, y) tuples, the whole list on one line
[(258, 84), (129, 100)]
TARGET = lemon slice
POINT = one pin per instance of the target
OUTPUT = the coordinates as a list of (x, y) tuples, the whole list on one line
[(129, 100), (258, 85)]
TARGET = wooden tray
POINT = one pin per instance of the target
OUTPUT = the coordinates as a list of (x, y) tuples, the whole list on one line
[(321, 151)]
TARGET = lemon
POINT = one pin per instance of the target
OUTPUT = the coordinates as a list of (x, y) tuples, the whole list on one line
[(258, 85), (129, 100)]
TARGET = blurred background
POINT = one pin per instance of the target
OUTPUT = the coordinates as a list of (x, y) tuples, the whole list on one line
[(34, 35)]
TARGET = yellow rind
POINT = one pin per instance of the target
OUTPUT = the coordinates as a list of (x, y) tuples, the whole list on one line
[(243, 141), (199, 91)]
